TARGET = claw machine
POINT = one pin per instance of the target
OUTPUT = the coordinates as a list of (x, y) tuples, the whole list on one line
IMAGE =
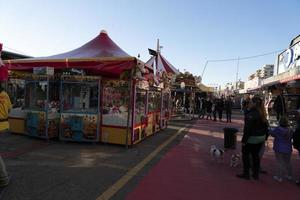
[(80, 110), (17, 115), (140, 111), (154, 110), (42, 106), (116, 117), (165, 108)]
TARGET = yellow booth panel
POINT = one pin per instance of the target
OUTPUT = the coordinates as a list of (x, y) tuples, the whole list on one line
[(114, 135), (17, 125), (139, 134)]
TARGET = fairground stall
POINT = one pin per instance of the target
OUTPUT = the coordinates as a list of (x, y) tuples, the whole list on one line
[(40, 110), (80, 108), (184, 92), (15, 88), (283, 88), (98, 86), (159, 95)]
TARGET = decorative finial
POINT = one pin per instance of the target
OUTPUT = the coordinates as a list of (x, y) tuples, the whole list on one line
[(103, 31)]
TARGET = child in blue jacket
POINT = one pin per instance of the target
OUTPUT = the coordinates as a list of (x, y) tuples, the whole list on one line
[(283, 149)]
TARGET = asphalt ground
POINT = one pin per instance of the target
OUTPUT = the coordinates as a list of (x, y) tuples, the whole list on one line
[(65, 170)]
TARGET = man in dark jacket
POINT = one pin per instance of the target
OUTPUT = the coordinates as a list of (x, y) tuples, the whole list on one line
[(209, 105), (228, 109), (220, 108), (279, 106)]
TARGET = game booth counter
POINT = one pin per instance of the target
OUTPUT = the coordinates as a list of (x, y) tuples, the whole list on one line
[(96, 92)]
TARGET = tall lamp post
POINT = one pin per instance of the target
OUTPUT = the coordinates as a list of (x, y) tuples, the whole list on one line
[(182, 86)]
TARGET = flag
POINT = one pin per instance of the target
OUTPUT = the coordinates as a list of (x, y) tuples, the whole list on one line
[(152, 52)]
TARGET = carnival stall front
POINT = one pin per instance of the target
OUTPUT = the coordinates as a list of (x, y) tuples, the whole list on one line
[(116, 112), (80, 108), (154, 112), (159, 95), (36, 107), (142, 127), (42, 106), (16, 91), (184, 90), (98, 104), (282, 90)]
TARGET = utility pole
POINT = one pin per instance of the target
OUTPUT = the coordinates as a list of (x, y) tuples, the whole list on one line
[(237, 73)]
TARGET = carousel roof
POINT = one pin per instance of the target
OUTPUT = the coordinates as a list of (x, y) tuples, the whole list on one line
[(162, 64), (101, 55)]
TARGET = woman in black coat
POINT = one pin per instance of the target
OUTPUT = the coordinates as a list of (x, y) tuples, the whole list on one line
[(255, 131)]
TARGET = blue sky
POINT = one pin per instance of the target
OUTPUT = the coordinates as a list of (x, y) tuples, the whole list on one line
[(190, 32)]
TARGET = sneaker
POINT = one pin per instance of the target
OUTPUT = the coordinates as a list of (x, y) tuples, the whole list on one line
[(262, 171), (279, 179), (243, 176), (4, 181), (289, 178)]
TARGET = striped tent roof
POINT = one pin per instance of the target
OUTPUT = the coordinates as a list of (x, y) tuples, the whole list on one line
[(162, 64)]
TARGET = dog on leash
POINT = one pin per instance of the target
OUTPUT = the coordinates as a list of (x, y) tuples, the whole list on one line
[(216, 153), (235, 160)]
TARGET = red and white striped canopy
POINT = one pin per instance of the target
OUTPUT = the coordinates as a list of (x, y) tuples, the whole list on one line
[(163, 65)]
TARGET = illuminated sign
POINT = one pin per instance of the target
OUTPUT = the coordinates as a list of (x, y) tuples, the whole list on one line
[(288, 58)]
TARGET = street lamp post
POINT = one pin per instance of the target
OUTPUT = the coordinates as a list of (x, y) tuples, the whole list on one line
[(182, 86)]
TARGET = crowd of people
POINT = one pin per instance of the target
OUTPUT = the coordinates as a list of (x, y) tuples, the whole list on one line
[(213, 109), (256, 132)]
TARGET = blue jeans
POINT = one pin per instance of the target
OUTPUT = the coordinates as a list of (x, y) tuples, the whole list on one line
[(283, 164)]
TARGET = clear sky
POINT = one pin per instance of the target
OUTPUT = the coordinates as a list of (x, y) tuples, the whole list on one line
[(190, 31)]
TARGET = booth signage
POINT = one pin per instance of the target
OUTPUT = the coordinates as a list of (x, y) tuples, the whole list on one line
[(43, 71), (288, 59)]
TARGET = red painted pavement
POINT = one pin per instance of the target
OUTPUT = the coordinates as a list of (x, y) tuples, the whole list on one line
[(187, 172)]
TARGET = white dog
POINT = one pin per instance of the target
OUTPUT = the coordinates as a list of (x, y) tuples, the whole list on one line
[(235, 160), (216, 153)]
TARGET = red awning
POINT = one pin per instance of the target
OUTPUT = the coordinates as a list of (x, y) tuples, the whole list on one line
[(100, 55)]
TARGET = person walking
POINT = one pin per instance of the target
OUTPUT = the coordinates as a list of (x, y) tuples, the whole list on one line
[(5, 106), (214, 109), (208, 109), (220, 107), (228, 109), (282, 146), (255, 130), (279, 106), (202, 108), (245, 104)]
